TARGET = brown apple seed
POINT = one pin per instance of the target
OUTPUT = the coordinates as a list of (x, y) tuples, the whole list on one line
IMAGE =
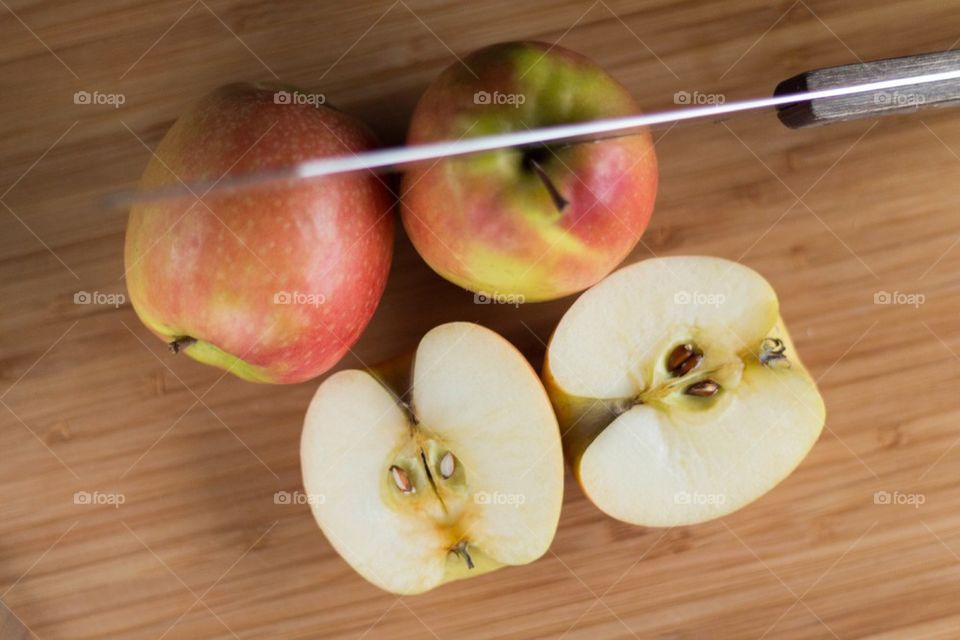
[(683, 359), (703, 389), (401, 479), (689, 364)]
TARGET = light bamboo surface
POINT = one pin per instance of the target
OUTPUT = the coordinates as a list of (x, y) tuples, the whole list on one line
[(198, 549)]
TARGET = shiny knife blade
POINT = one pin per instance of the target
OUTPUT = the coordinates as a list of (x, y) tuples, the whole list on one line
[(397, 158)]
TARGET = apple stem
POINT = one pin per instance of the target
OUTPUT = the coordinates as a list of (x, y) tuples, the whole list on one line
[(181, 343), (558, 200), (407, 408)]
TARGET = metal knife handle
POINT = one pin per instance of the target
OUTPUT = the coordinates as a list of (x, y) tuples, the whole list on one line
[(875, 103)]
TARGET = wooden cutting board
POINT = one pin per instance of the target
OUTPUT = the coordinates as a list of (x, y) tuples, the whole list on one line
[(185, 540)]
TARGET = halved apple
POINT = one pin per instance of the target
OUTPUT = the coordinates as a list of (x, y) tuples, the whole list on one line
[(461, 477), (679, 394)]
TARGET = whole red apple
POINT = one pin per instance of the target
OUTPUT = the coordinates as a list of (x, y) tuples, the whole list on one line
[(537, 223), (273, 283)]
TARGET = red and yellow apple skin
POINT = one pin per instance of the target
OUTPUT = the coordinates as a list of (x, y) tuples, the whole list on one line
[(486, 221), (275, 283)]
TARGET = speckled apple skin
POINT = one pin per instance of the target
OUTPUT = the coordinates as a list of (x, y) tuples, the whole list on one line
[(217, 270), (486, 223)]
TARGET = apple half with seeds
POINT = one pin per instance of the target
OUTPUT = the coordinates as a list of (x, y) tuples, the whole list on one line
[(678, 391), (460, 476)]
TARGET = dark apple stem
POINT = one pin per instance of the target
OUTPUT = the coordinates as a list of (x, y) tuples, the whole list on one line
[(181, 343), (461, 550), (558, 200)]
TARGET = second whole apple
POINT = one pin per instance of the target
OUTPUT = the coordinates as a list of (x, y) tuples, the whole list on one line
[(538, 223), (273, 283)]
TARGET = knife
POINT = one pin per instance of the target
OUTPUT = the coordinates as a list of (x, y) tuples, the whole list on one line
[(813, 98)]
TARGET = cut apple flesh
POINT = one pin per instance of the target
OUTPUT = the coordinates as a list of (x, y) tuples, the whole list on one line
[(464, 478), (679, 393)]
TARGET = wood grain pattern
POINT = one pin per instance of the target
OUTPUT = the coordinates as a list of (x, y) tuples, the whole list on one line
[(831, 216)]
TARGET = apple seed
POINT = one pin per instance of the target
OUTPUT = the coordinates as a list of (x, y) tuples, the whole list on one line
[(401, 479), (683, 359), (703, 389), (447, 465)]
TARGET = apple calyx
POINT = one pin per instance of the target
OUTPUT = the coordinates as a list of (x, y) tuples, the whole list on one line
[(773, 351), (181, 343)]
